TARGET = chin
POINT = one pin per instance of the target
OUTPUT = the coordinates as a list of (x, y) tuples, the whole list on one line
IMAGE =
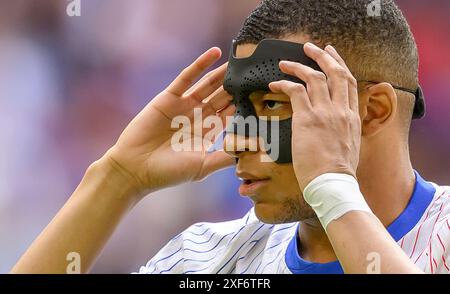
[(288, 211), (273, 214)]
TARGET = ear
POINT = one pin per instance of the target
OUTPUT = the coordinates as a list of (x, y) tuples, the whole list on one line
[(378, 108)]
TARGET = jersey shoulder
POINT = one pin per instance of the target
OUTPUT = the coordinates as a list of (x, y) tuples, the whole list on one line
[(439, 248), (439, 209), (428, 243), (207, 247)]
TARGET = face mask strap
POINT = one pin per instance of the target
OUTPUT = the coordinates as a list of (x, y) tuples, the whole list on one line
[(419, 104)]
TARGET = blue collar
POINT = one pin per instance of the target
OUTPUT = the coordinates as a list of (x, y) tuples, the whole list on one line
[(421, 198)]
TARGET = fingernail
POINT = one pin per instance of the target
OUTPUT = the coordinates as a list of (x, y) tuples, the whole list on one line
[(216, 50), (331, 48), (310, 45), (284, 63)]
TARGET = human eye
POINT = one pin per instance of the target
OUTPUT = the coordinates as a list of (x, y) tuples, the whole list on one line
[(272, 104)]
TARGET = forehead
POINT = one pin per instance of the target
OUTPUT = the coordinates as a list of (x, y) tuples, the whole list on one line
[(245, 50)]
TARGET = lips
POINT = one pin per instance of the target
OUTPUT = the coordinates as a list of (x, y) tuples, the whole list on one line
[(251, 183), (250, 188)]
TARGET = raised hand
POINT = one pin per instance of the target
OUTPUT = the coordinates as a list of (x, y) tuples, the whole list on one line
[(144, 152), (326, 127)]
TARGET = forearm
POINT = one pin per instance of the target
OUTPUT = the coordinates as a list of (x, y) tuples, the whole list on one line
[(359, 239), (83, 225)]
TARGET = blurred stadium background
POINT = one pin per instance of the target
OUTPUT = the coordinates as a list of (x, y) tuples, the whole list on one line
[(69, 85)]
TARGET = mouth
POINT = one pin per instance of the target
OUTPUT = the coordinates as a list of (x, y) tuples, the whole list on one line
[(249, 187)]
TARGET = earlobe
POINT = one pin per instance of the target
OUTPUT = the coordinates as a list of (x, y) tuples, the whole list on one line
[(379, 109)]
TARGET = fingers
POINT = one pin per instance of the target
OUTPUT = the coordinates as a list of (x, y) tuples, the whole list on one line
[(208, 84), (339, 76), (219, 100), (215, 161), (212, 127), (316, 81), (352, 89), (300, 100), (219, 105), (226, 112), (332, 51), (185, 79)]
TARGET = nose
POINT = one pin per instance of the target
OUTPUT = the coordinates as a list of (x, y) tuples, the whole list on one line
[(237, 145)]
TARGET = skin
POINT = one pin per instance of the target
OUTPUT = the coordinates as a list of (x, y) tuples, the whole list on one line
[(364, 135), (142, 161)]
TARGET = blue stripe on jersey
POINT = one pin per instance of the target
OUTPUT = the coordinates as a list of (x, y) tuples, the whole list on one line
[(196, 261), (200, 260), (210, 237), (172, 254), (237, 233), (248, 251), (165, 258), (188, 249), (196, 251), (278, 255), (264, 250), (248, 216), (196, 234), (205, 268), (240, 248), (169, 269), (194, 271), (421, 198)]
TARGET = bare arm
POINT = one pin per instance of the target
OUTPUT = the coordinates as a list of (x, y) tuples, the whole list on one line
[(361, 243), (143, 160), (84, 224)]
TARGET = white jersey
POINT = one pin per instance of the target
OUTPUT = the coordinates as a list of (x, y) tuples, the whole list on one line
[(248, 246)]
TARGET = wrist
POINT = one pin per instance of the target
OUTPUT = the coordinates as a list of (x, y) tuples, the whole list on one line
[(113, 181), (332, 195), (305, 179)]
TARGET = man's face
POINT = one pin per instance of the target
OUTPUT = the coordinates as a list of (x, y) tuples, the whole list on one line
[(272, 187)]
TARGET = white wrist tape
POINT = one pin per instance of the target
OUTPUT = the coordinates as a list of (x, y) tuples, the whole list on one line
[(332, 195)]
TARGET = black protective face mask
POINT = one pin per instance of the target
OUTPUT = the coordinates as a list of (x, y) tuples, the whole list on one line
[(254, 73)]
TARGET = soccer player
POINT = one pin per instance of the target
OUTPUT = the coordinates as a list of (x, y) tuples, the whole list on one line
[(350, 200)]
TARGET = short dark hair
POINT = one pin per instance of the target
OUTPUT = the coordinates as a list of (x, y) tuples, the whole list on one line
[(375, 47)]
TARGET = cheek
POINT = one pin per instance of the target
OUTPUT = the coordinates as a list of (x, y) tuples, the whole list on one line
[(285, 183)]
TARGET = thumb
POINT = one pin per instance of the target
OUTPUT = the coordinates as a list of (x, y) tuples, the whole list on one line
[(214, 162)]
